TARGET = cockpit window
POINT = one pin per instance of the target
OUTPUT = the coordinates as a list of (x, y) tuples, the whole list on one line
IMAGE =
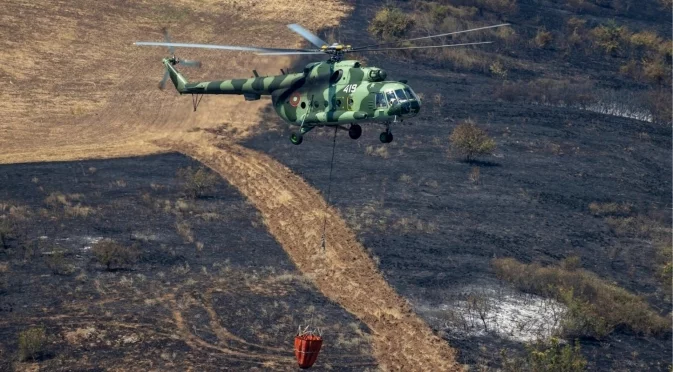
[(410, 93), (391, 97), (400, 95), (381, 101)]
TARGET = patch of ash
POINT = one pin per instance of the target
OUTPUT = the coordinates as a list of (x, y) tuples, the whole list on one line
[(496, 311), (89, 241)]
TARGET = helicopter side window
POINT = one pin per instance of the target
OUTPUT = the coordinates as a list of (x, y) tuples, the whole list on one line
[(400, 95), (391, 97), (381, 101)]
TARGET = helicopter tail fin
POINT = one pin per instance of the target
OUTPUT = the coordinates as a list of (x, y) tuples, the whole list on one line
[(176, 77)]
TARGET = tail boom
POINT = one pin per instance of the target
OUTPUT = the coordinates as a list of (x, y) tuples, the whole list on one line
[(250, 87)]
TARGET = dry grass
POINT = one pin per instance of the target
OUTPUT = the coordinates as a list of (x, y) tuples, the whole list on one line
[(596, 307), (184, 229), (380, 151), (543, 38), (610, 209)]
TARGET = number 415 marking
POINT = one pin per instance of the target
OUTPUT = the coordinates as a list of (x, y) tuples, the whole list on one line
[(350, 88)]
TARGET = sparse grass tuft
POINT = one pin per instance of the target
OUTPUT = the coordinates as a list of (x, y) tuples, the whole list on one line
[(184, 229), (595, 307), (610, 209), (31, 343), (380, 151), (543, 38)]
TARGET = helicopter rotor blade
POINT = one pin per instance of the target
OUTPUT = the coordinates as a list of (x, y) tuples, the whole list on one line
[(420, 47), (308, 35), (167, 37), (431, 36), (162, 83), (220, 47), (190, 63), (286, 53)]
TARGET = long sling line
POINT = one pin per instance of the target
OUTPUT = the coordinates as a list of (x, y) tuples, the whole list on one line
[(329, 189)]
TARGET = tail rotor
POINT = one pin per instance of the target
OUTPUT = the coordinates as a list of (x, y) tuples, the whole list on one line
[(175, 60)]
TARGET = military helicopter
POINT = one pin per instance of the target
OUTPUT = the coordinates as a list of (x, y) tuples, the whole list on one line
[(335, 92)]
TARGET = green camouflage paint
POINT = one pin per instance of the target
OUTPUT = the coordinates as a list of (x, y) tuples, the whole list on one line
[(324, 94)]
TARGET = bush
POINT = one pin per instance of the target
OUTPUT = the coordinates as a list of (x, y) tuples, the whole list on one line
[(56, 262), (390, 22), (197, 182), (610, 37), (550, 357), (543, 38), (31, 343), (595, 307), (469, 140), (112, 254)]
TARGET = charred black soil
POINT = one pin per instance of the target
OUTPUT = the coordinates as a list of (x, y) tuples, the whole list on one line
[(211, 289), (435, 222)]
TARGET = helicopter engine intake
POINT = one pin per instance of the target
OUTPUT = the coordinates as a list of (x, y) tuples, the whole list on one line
[(376, 74)]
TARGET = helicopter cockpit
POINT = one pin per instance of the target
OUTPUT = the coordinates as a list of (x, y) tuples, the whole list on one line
[(399, 98)]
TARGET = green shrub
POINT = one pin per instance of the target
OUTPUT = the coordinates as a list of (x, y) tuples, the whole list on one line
[(595, 307), (610, 37), (31, 343), (547, 357), (197, 182), (468, 140), (113, 255), (389, 23)]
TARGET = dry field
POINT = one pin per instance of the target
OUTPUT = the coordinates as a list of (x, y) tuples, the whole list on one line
[(75, 88)]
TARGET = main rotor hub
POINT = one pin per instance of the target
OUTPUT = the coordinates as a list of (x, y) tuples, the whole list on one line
[(336, 51)]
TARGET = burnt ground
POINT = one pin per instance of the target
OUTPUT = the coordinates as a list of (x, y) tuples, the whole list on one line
[(435, 231), (228, 297)]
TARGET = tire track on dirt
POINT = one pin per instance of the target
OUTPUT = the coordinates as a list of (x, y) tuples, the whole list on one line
[(292, 211)]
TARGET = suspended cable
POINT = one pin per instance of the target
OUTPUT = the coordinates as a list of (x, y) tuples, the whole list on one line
[(329, 188)]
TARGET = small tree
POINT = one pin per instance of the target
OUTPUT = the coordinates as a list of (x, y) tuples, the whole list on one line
[(469, 140), (31, 343), (197, 182), (112, 254)]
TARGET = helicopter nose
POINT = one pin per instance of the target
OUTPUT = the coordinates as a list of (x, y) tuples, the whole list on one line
[(406, 108)]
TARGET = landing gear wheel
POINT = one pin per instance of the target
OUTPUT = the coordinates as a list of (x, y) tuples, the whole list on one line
[(355, 131), (386, 137), (296, 139)]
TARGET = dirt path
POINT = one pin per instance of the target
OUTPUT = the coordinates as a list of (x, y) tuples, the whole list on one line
[(293, 211)]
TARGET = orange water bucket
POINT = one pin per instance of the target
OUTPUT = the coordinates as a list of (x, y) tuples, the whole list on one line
[(306, 349)]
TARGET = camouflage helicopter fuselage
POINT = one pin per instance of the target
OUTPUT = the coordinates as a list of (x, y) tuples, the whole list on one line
[(331, 93)]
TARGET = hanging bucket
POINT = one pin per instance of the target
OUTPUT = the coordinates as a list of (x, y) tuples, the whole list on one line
[(306, 348)]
